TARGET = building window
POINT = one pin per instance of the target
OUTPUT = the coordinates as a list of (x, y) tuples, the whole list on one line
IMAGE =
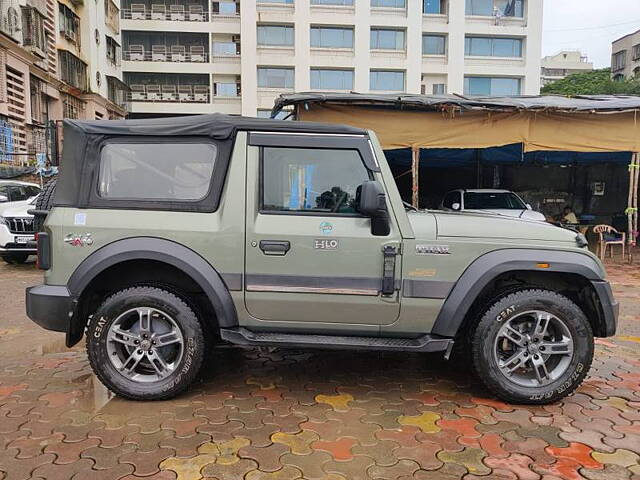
[(72, 70), (386, 80), (332, 2), (275, 77), (434, 7), (389, 3), (434, 44), (225, 48), (33, 34), (326, 79), (71, 106), (502, 8), (116, 91), (276, 1), (496, 86), (225, 89), (492, 47), (439, 88), (225, 8), (113, 51), (275, 35), (39, 101), (112, 16), (311, 180), (387, 39), (636, 52), (69, 24), (619, 60), (331, 37)]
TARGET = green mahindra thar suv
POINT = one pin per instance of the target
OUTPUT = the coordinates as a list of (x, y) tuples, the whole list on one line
[(167, 237)]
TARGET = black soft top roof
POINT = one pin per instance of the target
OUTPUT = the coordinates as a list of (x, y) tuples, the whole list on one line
[(84, 139), (216, 126)]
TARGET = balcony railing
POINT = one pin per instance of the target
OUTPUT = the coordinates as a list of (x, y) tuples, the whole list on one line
[(175, 13), (170, 93), (166, 55)]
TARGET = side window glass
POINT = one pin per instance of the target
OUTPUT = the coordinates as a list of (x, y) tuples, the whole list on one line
[(311, 180), (32, 191), (156, 171)]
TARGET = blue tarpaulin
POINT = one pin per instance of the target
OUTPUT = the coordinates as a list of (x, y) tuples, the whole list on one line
[(507, 155)]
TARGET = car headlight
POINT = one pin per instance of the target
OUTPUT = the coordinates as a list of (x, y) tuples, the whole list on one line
[(3, 221)]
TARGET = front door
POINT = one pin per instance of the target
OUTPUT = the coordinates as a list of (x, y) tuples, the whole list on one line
[(311, 259)]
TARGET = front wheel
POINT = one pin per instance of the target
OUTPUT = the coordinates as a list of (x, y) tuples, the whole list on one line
[(532, 346), (145, 343)]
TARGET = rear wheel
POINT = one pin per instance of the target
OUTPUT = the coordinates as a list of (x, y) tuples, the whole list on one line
[(532, 346), (15, 258), (145, 343)]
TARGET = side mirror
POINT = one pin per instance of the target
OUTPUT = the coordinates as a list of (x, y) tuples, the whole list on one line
[(371, 201), (529, 206), (455, 206), (3, 198)]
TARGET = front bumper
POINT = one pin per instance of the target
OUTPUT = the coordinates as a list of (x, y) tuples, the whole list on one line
[(18, 248), (610, 307), (50, 306), (8, 243)]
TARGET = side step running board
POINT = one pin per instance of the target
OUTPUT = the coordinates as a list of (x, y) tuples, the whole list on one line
[(425, 343)]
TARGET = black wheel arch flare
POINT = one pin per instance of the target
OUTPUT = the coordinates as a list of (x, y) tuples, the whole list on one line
[(161, 250), (487, 267)]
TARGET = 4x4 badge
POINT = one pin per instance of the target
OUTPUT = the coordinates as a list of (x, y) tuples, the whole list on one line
[(79, 240)]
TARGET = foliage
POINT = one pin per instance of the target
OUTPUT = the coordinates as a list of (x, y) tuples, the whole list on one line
[(596, 82)]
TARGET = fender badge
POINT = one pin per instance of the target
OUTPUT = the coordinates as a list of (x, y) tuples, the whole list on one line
[(78, 239), (432, 250)]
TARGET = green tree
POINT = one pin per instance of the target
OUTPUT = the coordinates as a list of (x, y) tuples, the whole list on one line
[(596, 82)]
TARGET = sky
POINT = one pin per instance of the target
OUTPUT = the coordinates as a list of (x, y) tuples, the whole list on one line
[(588, 25)]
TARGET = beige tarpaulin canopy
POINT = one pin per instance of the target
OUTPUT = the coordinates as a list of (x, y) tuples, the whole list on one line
[(583, 124), (536, 130)]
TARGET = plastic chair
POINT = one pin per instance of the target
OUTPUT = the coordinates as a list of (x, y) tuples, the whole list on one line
[(609, 236)]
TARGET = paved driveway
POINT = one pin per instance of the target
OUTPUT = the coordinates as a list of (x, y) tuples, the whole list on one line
[(287, 414)]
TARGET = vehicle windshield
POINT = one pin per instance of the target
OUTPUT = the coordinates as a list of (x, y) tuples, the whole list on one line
[(492, 201)]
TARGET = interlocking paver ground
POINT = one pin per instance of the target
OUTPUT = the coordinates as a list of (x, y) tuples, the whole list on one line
[(327, 415)]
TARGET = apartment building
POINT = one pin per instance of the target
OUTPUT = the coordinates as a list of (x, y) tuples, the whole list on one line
[(625, 57), (236, 56), (58, 59), (564, 63)]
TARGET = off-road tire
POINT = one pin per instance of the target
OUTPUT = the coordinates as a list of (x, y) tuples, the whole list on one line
[(15, 258), (44, 202), (188, 323), (509, 306)]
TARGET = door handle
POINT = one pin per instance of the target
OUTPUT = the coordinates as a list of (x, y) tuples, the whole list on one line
[(275, 247)]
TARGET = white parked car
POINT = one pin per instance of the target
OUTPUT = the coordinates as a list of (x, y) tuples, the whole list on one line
[(15, 191), (501, 202), (16, 225)]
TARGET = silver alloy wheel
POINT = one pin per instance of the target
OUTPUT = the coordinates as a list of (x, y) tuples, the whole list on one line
[(145, 344), (533, 348)]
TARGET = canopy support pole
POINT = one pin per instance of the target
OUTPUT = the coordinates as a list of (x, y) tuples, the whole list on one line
[(632, 205), (415, 176)]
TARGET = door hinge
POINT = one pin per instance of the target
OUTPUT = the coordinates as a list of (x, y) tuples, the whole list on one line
[(389, 253)]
